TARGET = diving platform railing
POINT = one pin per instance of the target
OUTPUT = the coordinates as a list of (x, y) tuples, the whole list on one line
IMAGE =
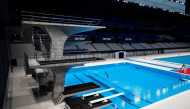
[(72, 58), (104, 99), (97, 92)]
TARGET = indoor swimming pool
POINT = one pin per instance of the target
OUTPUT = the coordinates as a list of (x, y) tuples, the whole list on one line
[(177, 59), (137, 85)]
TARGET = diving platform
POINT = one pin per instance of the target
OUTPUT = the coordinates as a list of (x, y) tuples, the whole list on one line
[(33, 63), (75, 89)]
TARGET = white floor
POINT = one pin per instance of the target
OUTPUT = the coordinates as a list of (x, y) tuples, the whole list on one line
[(179, 101), (20, 93)]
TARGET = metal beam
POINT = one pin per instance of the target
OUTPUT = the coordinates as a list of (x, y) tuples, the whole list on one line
[(61, 24)]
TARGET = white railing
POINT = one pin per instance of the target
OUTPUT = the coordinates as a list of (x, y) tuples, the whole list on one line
[(105, 98), (41, 56), (97, 92)]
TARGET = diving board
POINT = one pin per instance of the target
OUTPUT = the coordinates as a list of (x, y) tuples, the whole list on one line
[(74, 90)]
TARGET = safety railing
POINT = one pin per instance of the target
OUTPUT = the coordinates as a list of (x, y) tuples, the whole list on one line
[(44, 17), (103, 55), (47, 56)]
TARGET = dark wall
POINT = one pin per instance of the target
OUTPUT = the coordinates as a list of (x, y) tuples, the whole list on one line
[(7, 19), (187, 7), (4, 65), (3, 55)]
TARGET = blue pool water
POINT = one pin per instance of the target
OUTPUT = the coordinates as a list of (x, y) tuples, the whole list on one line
[(141, 85), (178, 59)]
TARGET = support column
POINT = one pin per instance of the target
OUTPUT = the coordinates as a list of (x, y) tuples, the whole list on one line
[(58, 39), (59, 74)]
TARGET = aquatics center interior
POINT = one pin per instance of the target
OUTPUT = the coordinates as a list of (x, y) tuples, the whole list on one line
[(102, 54)]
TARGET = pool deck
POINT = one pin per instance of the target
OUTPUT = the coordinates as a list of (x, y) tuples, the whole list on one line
[(151, 59), (178, 101), (20, 85)]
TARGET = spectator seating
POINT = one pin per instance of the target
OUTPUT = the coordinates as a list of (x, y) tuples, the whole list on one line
[(70, 48), (114, 46), (86, 46), (101, 47), (138, 46), (126, 46)]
